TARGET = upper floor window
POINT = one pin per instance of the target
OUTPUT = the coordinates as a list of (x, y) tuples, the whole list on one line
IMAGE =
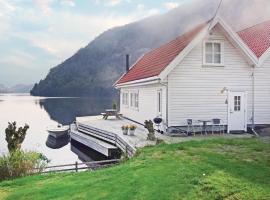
[(213, 53), (134, 100), (125, 98)]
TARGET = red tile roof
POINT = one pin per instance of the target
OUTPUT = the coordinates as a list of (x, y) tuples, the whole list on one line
[(155, 61), (257, 38)]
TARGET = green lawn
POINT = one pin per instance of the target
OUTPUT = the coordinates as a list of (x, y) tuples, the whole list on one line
[(209, 169)]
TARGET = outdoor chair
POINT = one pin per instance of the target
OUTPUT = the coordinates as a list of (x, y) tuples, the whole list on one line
[(217, 126), (190, 127)]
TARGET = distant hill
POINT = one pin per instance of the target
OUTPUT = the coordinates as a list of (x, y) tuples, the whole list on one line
[(20, 88), (3, 89), (93, 69)]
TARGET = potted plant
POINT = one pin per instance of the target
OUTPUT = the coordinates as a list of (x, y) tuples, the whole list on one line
[(125, 129), (132, 129), (114, 106)]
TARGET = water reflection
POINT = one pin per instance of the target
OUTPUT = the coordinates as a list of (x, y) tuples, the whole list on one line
[(57, 143), (65, 110), (41, 113)]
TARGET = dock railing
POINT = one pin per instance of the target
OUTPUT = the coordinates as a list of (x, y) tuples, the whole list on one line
[(76, 167), (106, 136)]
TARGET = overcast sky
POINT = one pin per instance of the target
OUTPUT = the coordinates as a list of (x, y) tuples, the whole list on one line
[(36, 35)]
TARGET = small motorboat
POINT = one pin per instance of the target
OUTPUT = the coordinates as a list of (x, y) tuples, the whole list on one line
[(57, 143), (58, 131)]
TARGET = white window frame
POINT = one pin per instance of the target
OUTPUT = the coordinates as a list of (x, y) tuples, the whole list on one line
[(125, 102), (133, 94), (221, 53), (159, 102)]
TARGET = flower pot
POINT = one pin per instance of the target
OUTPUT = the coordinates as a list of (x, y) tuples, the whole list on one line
[(131, 132), (125, 132)]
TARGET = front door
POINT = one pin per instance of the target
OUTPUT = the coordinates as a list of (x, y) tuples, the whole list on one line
[(237, 106)]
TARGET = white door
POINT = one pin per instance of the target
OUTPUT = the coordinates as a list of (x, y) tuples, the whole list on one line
[(237, 109)]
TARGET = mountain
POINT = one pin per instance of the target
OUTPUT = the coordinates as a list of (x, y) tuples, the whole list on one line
[(3, 89), (93, 69), (20, 88)]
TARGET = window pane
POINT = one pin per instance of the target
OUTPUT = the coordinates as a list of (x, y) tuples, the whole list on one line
[(208, 58), (131, 99), (217, 48), (136, 100), (126, 98), (208, 47), (217, 58), (237, 103)]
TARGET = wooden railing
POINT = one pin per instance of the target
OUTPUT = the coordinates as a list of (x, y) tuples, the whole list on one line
[(76, 166), (111, 138)]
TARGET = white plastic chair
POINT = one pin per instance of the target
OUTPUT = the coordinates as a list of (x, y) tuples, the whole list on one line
[(190, 126), (216, 123)]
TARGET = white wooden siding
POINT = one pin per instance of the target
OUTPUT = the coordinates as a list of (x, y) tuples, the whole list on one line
[(195, 90), (262, 93), (148, 108)]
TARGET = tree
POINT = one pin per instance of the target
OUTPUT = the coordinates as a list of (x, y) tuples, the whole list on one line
[(15, 137)]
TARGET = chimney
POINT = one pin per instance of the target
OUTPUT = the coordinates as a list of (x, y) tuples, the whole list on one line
[(127, 62)]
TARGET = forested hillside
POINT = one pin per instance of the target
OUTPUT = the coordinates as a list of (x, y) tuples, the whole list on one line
[(93, 69)]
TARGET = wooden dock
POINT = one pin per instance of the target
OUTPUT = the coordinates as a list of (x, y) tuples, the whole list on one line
[(85, 138), (105, 136)]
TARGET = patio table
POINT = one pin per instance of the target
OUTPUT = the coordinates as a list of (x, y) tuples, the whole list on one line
[(204, 125), (111, 112)]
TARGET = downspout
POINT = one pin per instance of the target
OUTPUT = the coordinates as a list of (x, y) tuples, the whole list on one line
[(167, 98), (253, 102)]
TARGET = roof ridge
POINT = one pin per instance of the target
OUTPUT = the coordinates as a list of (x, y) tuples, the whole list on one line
[(268, 20)]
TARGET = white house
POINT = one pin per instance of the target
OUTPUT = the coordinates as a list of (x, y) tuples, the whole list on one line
[(209, 72)]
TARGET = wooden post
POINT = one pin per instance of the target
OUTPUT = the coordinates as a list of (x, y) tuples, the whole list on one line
[(76, 166)]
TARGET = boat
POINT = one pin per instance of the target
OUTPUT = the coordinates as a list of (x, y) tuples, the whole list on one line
[(57, 143), (58, 131)]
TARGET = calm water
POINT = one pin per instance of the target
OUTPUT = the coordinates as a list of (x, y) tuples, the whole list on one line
[(40, 113)]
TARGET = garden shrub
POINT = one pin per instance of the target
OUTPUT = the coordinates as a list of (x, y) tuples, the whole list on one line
[(20, 163)]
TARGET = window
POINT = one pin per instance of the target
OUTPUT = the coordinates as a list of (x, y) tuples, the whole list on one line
[(125, 98), (213, 53), (159, 101), (237, 103), (134, 100)]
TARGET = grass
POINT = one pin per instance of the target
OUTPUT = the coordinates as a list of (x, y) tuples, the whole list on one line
[(211, 169)]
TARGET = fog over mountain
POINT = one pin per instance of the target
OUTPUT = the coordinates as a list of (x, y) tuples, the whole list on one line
[(93, 69)]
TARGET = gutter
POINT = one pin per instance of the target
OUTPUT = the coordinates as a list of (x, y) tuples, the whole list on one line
[(144, 81), (253, 103), (167, 102)]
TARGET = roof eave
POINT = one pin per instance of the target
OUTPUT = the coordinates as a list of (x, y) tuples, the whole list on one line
[(236, 38), (145, 81), (184, 53), (264, 57)]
